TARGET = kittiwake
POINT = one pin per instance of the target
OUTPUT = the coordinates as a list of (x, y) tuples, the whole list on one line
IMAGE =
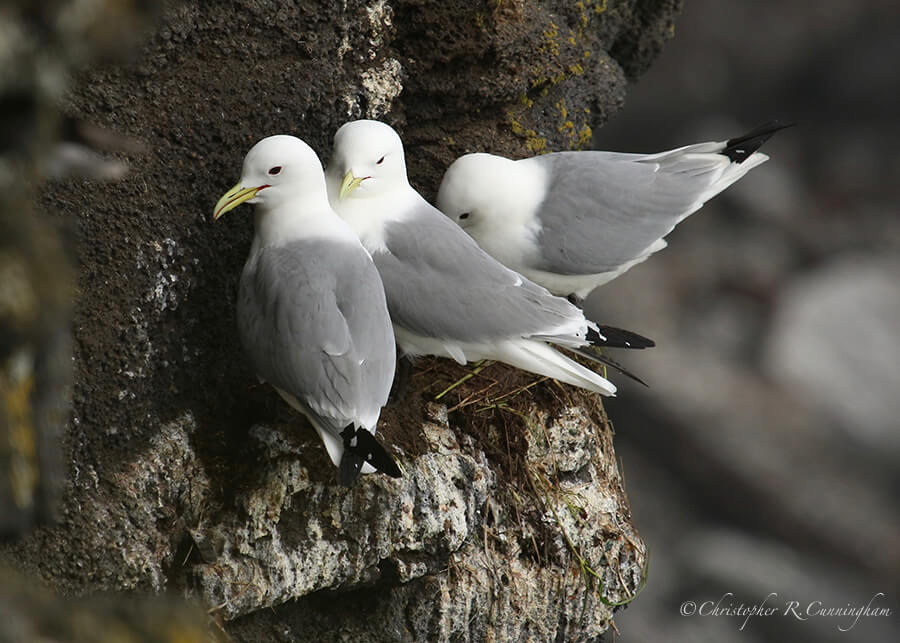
[(446, 296), (311, 309), (572, 221)]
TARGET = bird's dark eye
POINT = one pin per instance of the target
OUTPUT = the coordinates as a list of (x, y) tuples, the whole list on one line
[(379, 161), (465, 215), (275, 170)]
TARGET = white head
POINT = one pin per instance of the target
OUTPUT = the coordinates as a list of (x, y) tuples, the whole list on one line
[(277, 169), (367, 160), (479, 189)]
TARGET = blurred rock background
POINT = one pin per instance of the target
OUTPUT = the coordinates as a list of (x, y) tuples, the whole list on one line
[(764, 456)]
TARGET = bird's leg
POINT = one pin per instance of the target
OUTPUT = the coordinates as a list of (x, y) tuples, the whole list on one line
[(401, 379)]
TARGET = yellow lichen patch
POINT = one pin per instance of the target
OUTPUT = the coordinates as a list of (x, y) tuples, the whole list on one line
[(585, 14), (552, 33), (585, 136), (542, 79), (550, 44), (15, 394), (577, 137), (574, 127), (582, 14), (535, 144)]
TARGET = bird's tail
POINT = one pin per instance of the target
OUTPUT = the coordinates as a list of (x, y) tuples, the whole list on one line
[(537, 357), (353, 450), (731, 172), (719, 164), (742, 153)]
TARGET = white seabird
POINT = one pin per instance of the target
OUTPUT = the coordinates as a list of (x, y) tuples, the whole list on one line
[(572, 221), (311, 309)]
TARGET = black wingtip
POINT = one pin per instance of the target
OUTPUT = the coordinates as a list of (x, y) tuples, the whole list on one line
[(739, 149), (612, 337), (350, 468), (361, 447)]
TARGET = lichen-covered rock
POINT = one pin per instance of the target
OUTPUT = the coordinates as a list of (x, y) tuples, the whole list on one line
[(504, 502), (291, 536), (452, 551)]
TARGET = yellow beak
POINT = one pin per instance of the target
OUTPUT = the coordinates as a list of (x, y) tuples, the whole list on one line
[(349, 184), (233, 198)]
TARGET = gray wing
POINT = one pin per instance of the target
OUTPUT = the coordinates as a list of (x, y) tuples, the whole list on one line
[(439, 283), (313, 320), (604, 209)]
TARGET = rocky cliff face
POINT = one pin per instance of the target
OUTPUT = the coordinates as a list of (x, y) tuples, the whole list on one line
[(183, 473)]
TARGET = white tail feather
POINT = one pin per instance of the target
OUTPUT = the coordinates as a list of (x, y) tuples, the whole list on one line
[(538, 357), (732, 173)]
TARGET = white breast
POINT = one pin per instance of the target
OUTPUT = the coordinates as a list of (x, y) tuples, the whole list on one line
[(368, 216)]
